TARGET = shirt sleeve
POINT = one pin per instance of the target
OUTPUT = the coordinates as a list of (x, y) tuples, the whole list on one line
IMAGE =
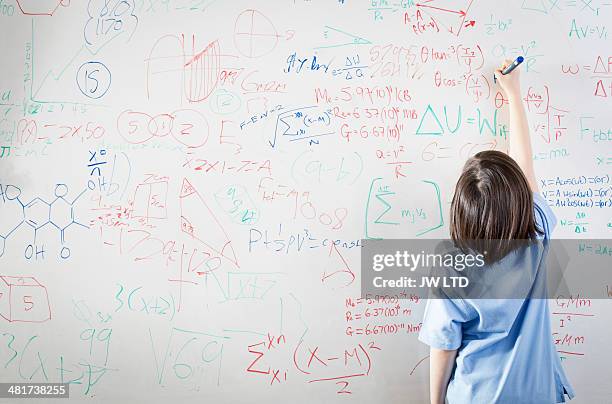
[(544, 216), (443, 322)]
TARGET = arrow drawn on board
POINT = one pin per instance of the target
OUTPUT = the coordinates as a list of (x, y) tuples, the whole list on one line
[(460, 12), (417, 365), (91, 51), (453, 20)]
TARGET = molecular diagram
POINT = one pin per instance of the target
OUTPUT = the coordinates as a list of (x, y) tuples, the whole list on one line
[(37, 214)]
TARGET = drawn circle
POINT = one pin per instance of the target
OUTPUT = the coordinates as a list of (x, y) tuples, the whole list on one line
[(254, 34), (61, 190), (161, 125), (190, 127), (12, 192), (133, 126), (225, 102), (328, 219), (29, 252), (65, 253), (93, 79)]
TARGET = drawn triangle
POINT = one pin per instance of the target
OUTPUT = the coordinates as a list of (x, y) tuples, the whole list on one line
[(335, 37), (339, 267), (600, 90), (534, 5), (430, 124), (199, 222), (600, 68), (186, 188)]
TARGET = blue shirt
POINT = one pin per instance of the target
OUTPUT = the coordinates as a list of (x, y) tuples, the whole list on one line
[(505, 347)]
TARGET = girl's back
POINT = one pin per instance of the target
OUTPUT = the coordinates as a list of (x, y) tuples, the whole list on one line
[(505, 349)]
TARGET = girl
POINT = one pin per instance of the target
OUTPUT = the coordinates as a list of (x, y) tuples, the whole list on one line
[(496, 350)]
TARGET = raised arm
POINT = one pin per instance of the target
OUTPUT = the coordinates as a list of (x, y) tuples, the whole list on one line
[(520, 141)]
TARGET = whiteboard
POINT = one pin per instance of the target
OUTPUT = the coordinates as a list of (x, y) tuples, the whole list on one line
[(185, 185)]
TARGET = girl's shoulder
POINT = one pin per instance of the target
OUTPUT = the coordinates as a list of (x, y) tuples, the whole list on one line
[(544, 216)]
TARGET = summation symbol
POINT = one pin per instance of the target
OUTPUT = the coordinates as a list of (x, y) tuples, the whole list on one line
[(37, 214)]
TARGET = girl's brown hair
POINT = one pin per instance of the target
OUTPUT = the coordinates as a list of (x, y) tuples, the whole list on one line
[(492, 205)]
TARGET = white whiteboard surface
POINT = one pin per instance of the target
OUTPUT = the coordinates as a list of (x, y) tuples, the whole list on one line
[(184, 184)]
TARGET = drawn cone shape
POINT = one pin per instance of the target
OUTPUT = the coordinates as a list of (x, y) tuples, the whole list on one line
[(337, 267), (200, 222)]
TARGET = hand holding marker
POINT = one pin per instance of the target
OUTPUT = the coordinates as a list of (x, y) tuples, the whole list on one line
[(510, 67)]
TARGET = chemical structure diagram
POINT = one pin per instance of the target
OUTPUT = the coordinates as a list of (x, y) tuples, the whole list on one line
[(37, 213)]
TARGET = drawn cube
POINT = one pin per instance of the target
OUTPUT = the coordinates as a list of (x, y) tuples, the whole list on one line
[(23, 298)]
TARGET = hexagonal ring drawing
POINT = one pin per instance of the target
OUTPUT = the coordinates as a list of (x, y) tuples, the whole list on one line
[(11, 216), (40, 7), (37, 213), (61, 214)]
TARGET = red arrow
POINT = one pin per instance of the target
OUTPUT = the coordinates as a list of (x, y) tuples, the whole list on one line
[(460, 12), (470, 23)]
